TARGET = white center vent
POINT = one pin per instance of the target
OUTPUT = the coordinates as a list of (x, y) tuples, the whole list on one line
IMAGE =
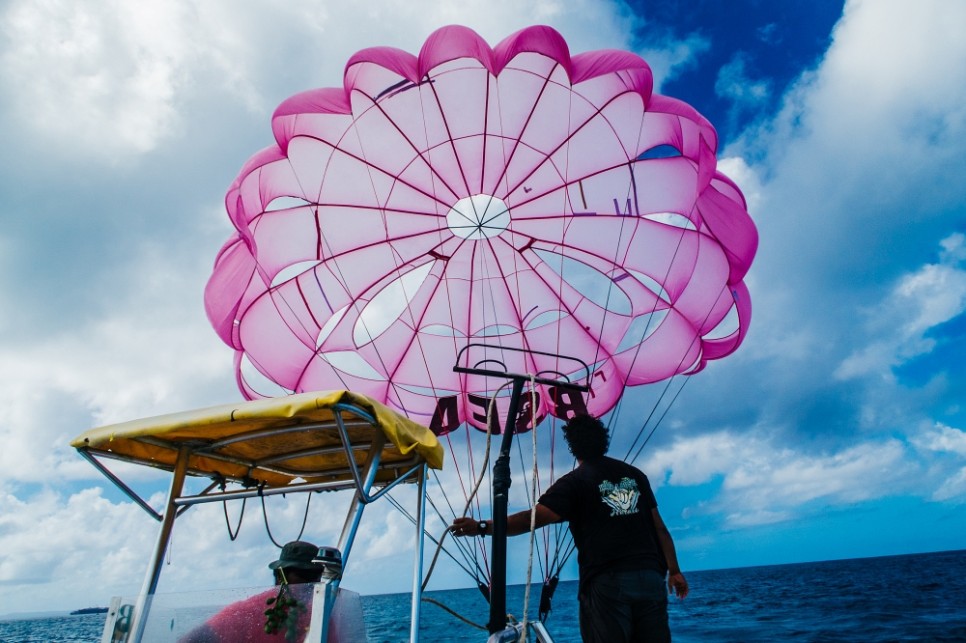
[(480, 216)]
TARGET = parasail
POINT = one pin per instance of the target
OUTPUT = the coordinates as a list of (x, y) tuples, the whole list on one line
[(516, 199)]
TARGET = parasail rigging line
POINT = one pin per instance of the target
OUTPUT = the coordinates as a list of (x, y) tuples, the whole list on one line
[(561, 536), (443, 279), (473, 493), (233, 534), (449, 138), (627, 458), (531, 481), (398, 266), (398, 271), (563, 231), (547, 533), (551, 536), (467, 551), (517, 139), (545, 563), (503, 180), (568, 181), (572, 131), (696, 338), (406, 514), (637, 352), (479, 481), (485, 474), (440, 605), (633, 186), (650, 415), (219, 481), (656, 424), (429, 166), (533, 510), (268, 529), (459, 475)]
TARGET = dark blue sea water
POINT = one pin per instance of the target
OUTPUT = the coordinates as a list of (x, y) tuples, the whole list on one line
[(919, 597)]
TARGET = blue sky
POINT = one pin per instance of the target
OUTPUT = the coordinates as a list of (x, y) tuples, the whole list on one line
[(837, 430)]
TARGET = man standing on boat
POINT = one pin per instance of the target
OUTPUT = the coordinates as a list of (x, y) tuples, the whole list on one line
[(624, 550)]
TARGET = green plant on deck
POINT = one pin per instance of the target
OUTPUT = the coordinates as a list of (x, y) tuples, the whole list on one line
[(283, 611)]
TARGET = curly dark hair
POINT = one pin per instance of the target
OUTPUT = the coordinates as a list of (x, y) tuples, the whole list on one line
[(586, 436)]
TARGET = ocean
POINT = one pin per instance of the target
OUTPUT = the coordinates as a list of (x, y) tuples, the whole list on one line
[(916, 597)]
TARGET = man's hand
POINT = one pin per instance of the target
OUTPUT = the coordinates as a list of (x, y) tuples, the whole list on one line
[(516, 524), (676, 584), (465, 527)]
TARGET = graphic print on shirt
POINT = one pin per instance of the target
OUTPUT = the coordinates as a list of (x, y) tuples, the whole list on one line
[(621, 498)]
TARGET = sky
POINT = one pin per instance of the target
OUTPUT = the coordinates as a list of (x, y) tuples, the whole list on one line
[(837, 430)]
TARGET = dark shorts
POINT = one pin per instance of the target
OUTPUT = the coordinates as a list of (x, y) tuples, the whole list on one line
[(624, 607)]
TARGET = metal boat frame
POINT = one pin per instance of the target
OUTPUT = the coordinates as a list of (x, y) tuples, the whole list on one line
[(346, 446)]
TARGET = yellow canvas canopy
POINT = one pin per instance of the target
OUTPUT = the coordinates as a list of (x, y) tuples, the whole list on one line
[(325, 441), (274, 441)]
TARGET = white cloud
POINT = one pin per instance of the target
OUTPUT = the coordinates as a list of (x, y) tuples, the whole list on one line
[(396, 533), (762, 482), (858, 187), (106, 74), (153, 353), (936, 293), (905, 99), (953, 488), (114, 78), (866, 143), (669, 58), (954, 249), (744, 175), (735, 84), (706, 456), (791, 478), (55, 546), (948, 445), (932, 295), (943, 439), (754, 518), (86, 548)]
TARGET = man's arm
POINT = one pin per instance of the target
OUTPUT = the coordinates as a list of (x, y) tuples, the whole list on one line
[(675, 579), (516, 524)]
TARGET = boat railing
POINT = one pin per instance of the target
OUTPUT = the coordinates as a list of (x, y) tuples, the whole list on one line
[(328, 613), (329, 440)]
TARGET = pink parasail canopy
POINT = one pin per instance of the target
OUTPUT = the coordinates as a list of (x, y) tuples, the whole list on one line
[(517, 197)]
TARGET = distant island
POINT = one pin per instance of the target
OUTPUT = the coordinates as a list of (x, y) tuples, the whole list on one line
[(90, 610)]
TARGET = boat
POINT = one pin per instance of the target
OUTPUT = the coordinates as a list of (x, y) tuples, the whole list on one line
[(304, 443)]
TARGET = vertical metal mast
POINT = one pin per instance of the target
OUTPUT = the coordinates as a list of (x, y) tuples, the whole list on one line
[(501, 469), (501, 493)]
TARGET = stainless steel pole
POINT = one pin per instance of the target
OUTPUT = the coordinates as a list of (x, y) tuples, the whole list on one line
[(164, 536), (501, 497), (418, 563)]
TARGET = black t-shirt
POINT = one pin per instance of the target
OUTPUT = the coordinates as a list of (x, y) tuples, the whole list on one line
[(608, 505)]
